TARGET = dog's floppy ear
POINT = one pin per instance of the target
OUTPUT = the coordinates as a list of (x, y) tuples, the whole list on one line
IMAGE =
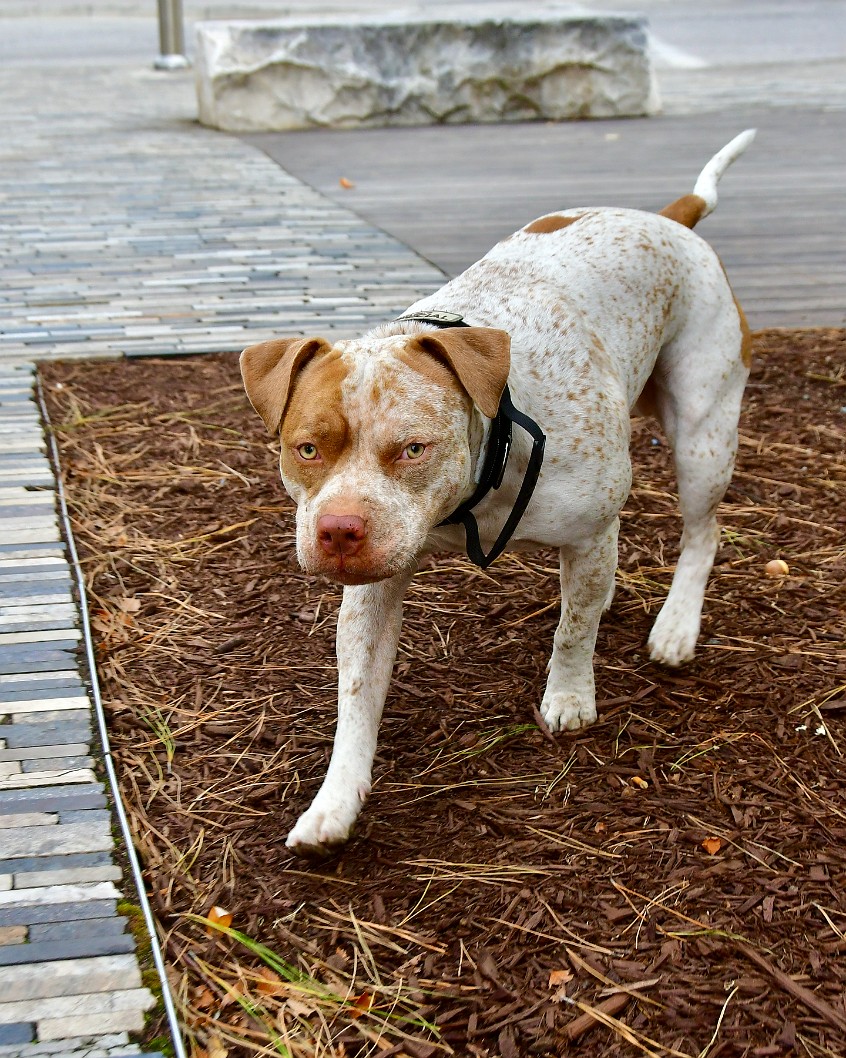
[(479, 356), (268, 370)]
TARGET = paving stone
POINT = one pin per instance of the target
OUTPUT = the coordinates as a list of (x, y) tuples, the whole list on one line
[(30, 780), (59, 798), (43, 753), (58, 894), (64, 698), (28, 819), (82, 947), (57, 764), (44, 980), (78, 715), (72, 701), (91, 1004), (67, 876), (13, 934), (60, 1028), (47, 635), (115, 1009), (55, 931), (29, 915), (20, 1032), (50, 841), (86, 817), (39, 681), (33, 657), (76, 1047), (49, 733), (48, 864)]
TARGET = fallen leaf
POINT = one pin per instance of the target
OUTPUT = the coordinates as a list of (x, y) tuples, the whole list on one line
[(129, 605), (297, 1009), (559, 977), (268, 983), (218, 916), (712, 846), (204, 998), (361, 1004)]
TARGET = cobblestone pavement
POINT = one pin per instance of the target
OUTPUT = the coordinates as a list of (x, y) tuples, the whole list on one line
[(124, 229)]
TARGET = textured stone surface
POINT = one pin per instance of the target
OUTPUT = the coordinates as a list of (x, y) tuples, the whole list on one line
[(399, 70), (44, 980), (76, 948)]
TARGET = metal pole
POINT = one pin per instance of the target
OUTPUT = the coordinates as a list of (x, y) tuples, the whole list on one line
[(171, 37)]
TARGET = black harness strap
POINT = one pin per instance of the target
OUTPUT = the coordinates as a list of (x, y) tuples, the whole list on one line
[(496, 458)]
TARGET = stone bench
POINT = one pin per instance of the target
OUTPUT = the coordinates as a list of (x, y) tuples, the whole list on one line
[(368, 70)]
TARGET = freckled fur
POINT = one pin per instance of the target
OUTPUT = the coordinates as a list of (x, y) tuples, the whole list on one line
[(607, 310)]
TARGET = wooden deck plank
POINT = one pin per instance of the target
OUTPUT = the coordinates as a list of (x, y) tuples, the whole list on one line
[(452, 192)]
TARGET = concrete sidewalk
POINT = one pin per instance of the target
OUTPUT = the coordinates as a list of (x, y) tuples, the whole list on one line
[(126, 229)]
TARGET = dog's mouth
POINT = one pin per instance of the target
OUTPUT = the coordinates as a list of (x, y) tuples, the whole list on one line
[(349, 570)]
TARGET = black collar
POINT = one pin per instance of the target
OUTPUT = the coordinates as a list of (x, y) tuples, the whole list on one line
[(496, 458)]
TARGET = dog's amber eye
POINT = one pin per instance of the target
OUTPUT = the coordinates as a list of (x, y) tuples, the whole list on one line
[(413, 451), (308, 452)]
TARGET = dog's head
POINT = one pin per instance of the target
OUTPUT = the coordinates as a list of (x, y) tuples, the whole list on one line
[(376, 445)]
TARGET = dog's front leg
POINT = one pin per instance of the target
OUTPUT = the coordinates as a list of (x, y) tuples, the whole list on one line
[(587, 581), (368, 631)]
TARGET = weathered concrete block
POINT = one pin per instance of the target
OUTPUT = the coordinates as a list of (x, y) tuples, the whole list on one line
[(367, 70)]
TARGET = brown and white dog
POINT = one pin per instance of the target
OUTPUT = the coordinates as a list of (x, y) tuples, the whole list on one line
[(583, 314)]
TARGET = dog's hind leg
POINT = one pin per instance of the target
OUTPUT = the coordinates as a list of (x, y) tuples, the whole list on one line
[(699, 388)]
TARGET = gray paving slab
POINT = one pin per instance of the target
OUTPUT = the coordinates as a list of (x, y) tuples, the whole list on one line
[(18, 1033), (59, 764), (64, 912), (47, 864), (73, 732), (81, 947), (56, 798), (61, 931)]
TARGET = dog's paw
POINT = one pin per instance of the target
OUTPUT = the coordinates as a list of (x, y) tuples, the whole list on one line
[(566, 711), (672, 640), (326, 825)]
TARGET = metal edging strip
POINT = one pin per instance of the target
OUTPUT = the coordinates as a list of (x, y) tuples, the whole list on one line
[(155, 948)]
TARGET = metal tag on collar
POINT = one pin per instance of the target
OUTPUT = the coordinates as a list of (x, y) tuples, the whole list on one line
[(435, 317), (503, 459)]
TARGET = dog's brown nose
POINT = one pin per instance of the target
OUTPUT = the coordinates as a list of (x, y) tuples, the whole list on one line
[(341, 534)]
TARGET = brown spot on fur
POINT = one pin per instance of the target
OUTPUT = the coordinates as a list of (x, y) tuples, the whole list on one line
[(269, 370), (547, 225), (314, 415), (479, 357), (746, 336), (745, 333), (687, 210)]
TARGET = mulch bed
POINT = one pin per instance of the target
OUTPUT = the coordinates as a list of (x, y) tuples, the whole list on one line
[(671, 881)]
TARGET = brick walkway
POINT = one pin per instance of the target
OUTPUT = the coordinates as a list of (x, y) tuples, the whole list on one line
[(127, 231)]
